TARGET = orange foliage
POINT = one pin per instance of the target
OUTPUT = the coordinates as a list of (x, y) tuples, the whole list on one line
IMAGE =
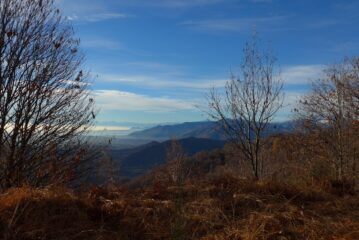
[(224, 207)]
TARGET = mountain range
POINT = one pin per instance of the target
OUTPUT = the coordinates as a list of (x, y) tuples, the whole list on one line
[(154, 142), (205, 129), (137, 161)]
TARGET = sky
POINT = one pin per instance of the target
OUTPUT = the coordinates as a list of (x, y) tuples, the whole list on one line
[(154, 61)]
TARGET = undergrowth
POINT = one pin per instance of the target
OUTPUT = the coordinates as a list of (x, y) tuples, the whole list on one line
[(213, 209)]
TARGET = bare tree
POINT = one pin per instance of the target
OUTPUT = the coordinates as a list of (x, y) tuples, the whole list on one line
[(350, 68), (44, 99), (176, 157), (249, 103), (330, 113)]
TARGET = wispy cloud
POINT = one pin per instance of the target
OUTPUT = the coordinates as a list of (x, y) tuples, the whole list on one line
[(290, 101), (301, 74), (85, 11), (237, 24), (113, 100), (101, 43), (291, 75), (109, 128), (155, 82), (97, 17), (99, 10), (110, 100), (275, 23), (153, 69), (171, 3)]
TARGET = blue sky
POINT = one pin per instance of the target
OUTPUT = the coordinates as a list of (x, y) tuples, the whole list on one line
[(153, 61)]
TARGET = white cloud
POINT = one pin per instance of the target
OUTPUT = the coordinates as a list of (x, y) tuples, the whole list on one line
[(237, 24), (109, 128), (291, 75), (269, 23), (156, 66), (170, 3), (186, 3), (101, 43), (97, 17), (292, 97), (155, 82), (112, 100), (302, 74), (89, 11), (98, 10), (290, 101)]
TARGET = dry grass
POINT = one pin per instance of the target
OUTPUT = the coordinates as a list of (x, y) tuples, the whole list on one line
[(215, 209)]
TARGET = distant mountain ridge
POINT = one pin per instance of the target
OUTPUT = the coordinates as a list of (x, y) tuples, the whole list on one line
[(173, 131), (205, 129), (136, 161), (194, 137)]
